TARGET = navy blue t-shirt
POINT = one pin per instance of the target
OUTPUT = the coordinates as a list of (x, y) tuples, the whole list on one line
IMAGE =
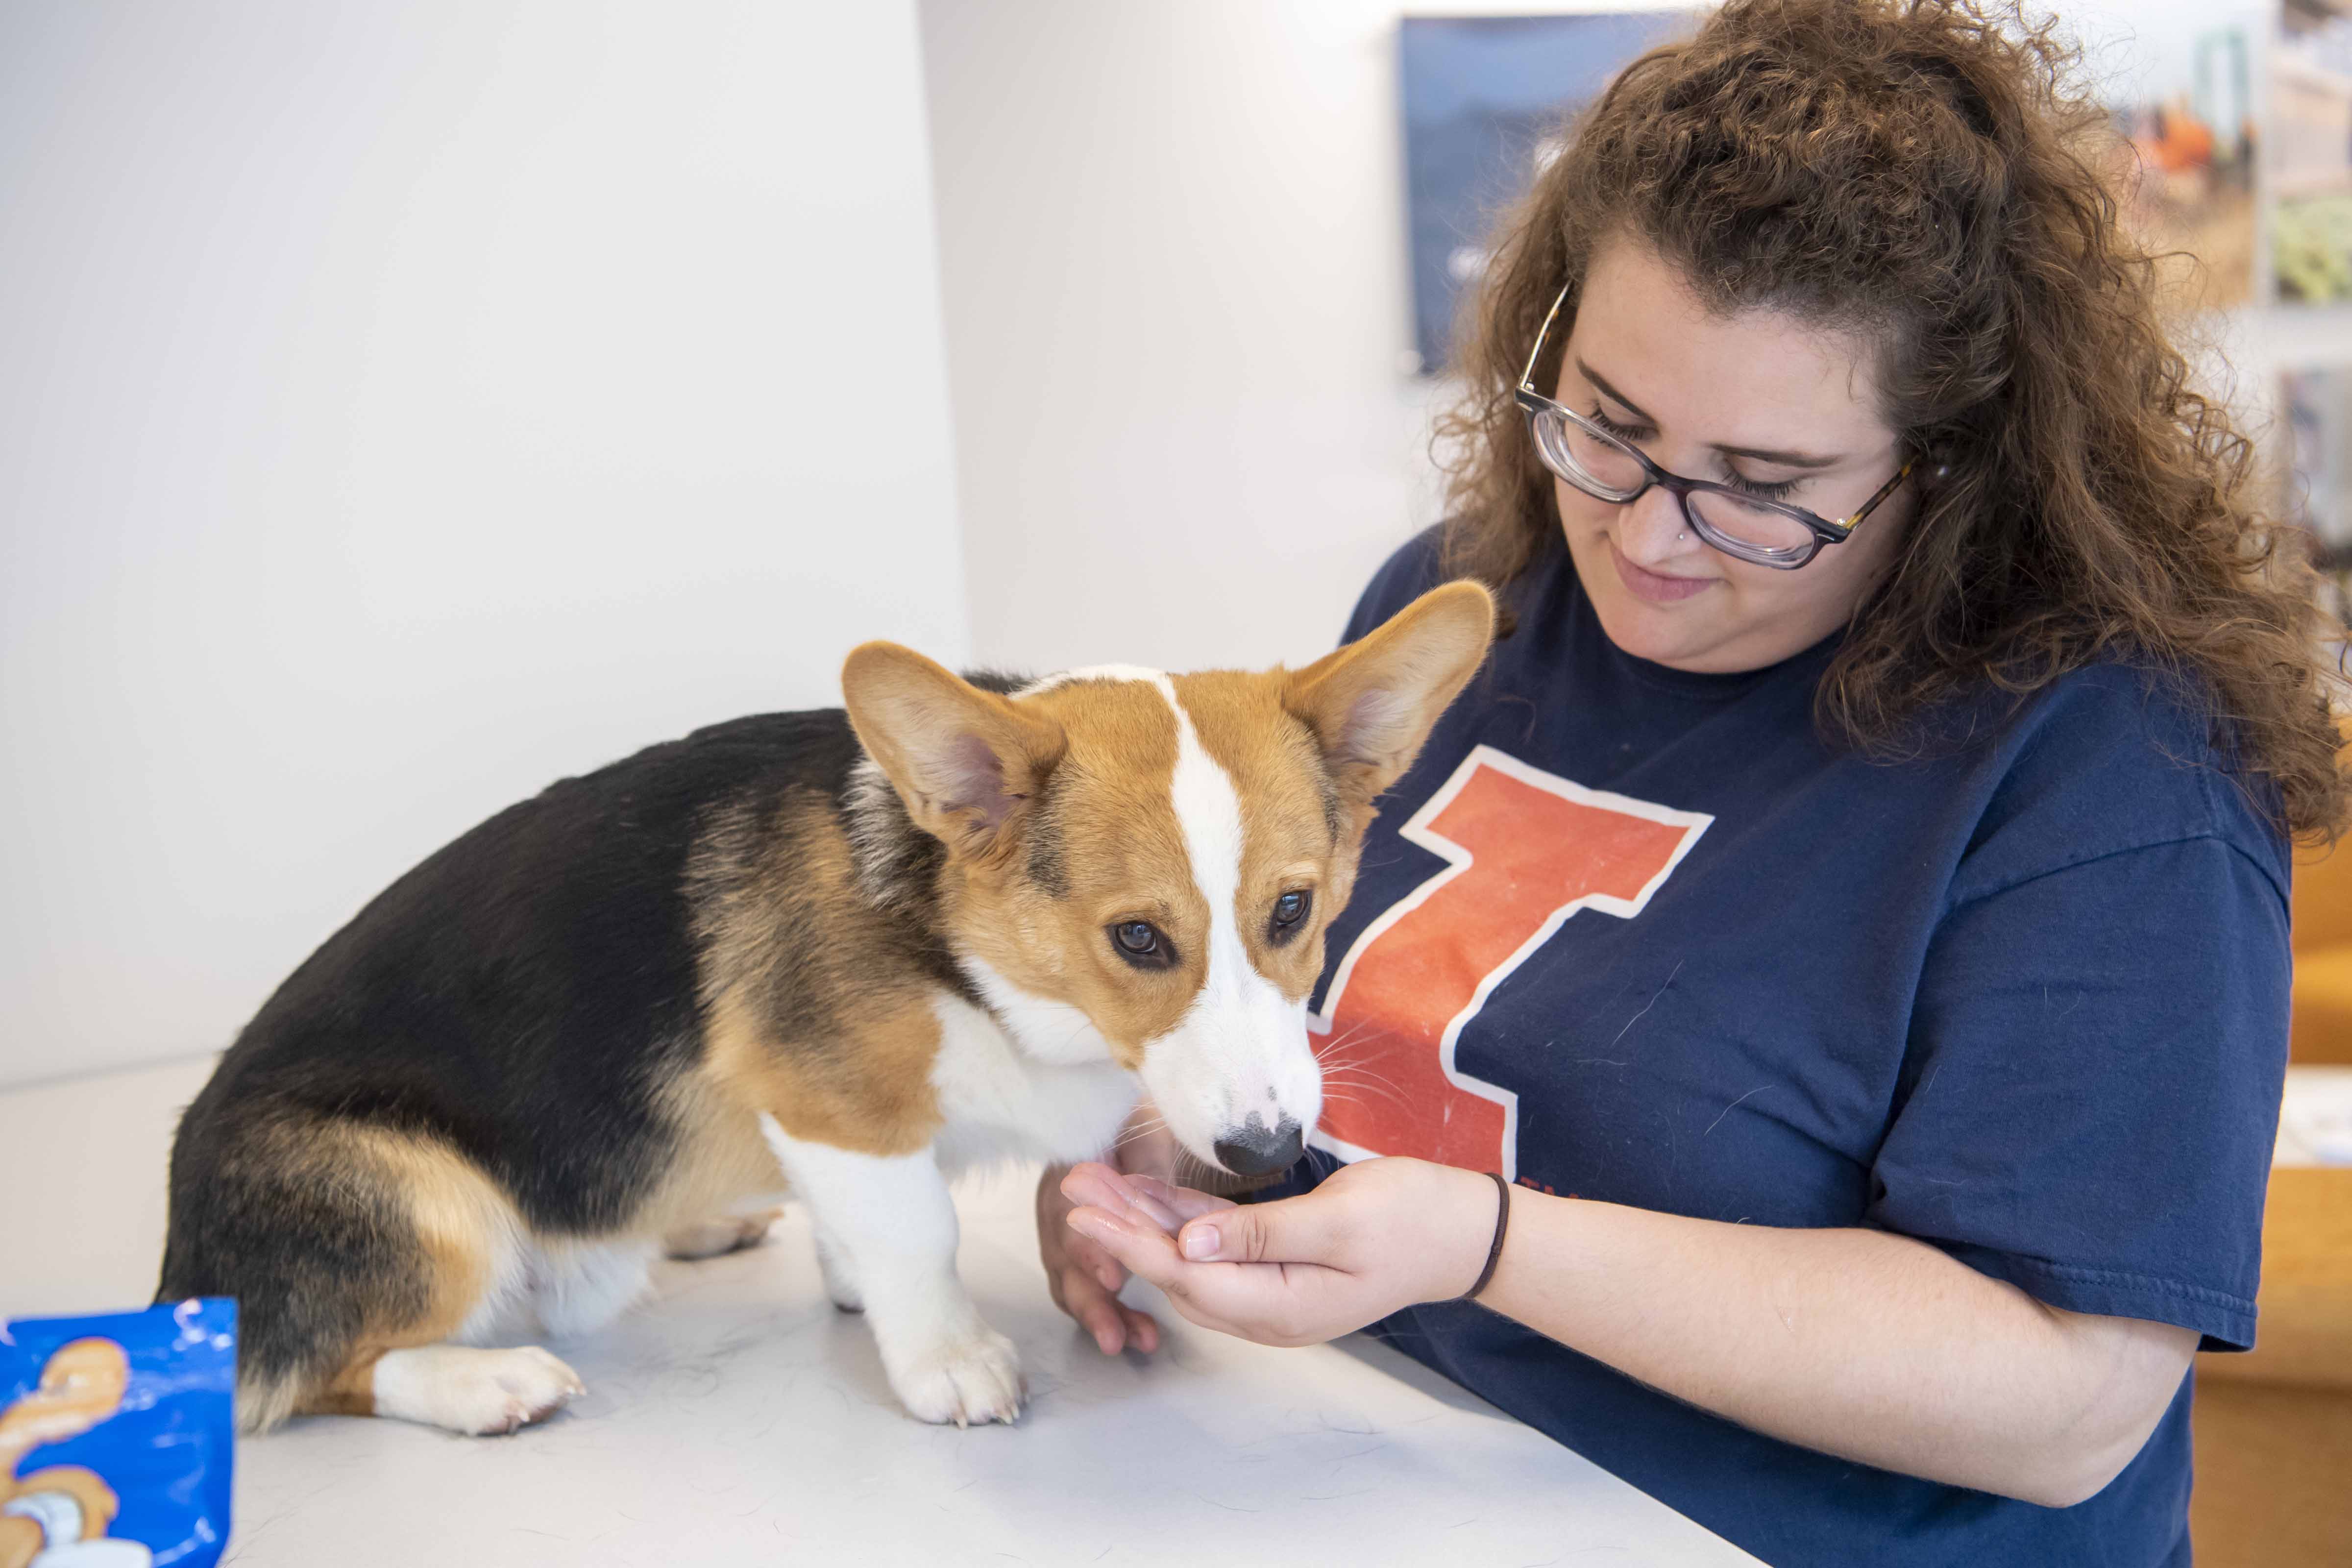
[(1638, 935)]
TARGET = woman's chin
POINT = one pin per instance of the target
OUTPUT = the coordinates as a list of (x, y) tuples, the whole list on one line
[(1647, 633), (1664, 633)]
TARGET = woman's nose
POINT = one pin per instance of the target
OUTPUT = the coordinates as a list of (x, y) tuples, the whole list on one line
[(1648, 528)]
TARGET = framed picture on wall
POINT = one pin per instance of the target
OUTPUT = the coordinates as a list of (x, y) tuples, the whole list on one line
[(1485, 99)]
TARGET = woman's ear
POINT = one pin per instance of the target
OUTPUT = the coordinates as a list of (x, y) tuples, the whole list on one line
[(967, 763), (1371, 704)]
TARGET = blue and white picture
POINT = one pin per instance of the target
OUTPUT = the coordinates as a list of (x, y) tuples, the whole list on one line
[(2317, 405), (1485, 100)]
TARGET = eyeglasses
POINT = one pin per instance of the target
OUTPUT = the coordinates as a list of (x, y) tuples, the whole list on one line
[(1608, 467)]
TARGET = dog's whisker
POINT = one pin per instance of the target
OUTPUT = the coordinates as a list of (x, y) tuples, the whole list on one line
[(1346, 1037), (1368, 1077)]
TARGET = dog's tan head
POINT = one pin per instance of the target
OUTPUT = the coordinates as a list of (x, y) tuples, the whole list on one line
[(1142, 865)]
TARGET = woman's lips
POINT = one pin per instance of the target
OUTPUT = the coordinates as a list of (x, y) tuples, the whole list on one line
[(1656, 587)]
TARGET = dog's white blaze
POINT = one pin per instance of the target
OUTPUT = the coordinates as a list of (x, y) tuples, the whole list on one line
[(1240, 1053)]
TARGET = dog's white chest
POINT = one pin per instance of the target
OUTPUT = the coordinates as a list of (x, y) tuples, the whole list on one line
[(998, 1103)]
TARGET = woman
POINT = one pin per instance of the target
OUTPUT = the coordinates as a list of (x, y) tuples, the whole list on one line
[(1860, 879)]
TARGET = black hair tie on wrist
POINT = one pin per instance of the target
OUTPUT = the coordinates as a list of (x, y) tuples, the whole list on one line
[(1495, 1248)]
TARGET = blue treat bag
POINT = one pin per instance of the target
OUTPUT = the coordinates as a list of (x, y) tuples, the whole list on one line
[(118, 1435)]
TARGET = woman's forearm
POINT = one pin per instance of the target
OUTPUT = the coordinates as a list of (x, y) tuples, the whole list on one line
[(1872, 1346)]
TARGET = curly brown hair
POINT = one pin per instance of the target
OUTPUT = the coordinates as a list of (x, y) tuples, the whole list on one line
[(1926, 171)]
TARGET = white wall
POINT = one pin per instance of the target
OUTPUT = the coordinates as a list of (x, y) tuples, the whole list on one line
[(1172, 245), (402, 405)]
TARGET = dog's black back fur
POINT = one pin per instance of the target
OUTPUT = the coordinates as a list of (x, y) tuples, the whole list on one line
[(501, 992)]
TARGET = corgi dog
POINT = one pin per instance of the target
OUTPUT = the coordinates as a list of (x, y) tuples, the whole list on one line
[(839, 955)]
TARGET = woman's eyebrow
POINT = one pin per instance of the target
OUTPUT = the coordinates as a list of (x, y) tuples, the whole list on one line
[(1759, 454)]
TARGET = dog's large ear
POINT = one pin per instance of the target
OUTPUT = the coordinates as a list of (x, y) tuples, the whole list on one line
[(1373, 703), (966, 762)]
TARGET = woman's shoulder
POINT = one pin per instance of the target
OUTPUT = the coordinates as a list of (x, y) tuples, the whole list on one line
[(2110, 758)]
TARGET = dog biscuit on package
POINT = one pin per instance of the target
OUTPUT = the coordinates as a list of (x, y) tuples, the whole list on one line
[(117, 1437)]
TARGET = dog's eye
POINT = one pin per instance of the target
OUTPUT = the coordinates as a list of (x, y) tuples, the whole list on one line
[(1289, 913), (1141, 944)]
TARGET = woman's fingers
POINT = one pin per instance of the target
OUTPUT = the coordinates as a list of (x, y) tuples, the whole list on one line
[(1140, 1248), (1092, 1182), (1164, 1204), (1105, 1188), (1260, 1302), (1113, 1325), (1150, 1254), (1142, 1329), (1083, 1254), (1182, 1202), (1084, 1279), (1116, 1327), (1059, 1246), (1085, 1300), (1289, 1230), (1296, 1271)]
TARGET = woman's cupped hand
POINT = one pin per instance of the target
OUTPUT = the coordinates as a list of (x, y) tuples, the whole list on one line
[(1376, 1237)]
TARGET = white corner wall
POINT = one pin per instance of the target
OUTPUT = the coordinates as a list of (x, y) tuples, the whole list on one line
[(402, 404)]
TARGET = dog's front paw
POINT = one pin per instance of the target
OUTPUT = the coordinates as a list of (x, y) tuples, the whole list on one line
[(974, 1376)]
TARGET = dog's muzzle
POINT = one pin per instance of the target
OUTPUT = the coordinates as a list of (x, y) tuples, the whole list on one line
[(1257, 1150)]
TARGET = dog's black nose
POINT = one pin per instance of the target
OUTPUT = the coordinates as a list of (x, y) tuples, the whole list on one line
[(1258, 1151)]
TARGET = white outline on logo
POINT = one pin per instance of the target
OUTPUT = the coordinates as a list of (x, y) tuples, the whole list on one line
[(1417, 830)]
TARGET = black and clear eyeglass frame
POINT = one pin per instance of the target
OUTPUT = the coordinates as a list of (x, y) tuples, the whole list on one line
[(1824, 531)]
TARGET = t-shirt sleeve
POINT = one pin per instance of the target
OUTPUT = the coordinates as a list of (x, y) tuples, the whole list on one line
[(2092, 1086), (1403, 577)]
